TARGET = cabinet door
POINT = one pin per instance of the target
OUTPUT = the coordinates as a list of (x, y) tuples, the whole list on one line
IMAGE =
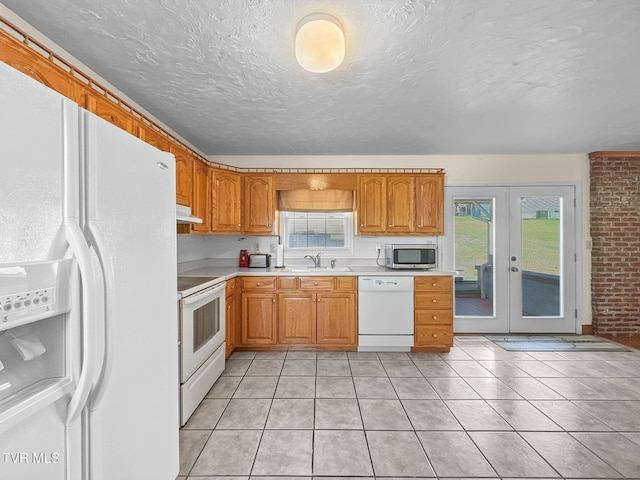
[(336, 319), (109, 111), (372, 204), (401, 206), (230, 323), (201, 207), (430, 204), (259, 313), (184, 175), (258, 204), (297, 318), (226, 202)]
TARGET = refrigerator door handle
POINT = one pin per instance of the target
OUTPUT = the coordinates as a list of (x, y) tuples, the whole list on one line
[(79, 247), (102, 366)]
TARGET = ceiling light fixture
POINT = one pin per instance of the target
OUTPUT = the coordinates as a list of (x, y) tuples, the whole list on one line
[(319, 43)]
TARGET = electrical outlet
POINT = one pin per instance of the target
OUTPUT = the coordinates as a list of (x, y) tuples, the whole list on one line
[(256, 247)]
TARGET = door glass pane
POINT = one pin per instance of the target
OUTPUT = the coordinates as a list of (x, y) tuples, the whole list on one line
[(541, 256), (474, 245)]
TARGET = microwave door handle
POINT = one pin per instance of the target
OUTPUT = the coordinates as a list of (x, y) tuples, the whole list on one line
[(207, 293), (80, 249), (103, 365)]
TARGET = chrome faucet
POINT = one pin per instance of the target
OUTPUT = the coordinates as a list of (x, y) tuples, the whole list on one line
[(315, 260)]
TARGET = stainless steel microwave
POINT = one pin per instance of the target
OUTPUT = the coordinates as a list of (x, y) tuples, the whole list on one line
[(410, 256)]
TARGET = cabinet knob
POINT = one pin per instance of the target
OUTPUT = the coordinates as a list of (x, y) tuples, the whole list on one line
[(390, 225), (274, 300), (269, 225), (434, 284), (238, 225), (315, 283), (434, 334), (434, 300), (435, 317), (362, 224), (258, 284)]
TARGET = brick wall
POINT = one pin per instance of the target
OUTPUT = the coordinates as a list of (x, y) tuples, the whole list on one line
[(615, 231)]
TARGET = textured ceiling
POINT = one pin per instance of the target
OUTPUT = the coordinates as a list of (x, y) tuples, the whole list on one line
[(420, 76)]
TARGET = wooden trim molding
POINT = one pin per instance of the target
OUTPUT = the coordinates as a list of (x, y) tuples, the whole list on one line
[(593, 155)]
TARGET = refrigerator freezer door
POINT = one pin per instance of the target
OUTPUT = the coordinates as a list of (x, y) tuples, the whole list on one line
[(38, 129), (134, 408)]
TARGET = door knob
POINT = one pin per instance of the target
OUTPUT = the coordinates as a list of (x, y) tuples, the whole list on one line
[(515, 269)]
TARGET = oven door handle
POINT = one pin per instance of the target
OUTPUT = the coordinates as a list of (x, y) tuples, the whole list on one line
[(207, 293)]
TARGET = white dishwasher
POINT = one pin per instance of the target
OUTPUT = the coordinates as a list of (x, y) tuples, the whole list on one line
[(385, 313)]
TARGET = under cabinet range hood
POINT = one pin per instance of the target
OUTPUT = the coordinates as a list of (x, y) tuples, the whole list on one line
[(183, 215)]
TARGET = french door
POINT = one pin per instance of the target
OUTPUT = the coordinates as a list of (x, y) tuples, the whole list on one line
[(513, 249)]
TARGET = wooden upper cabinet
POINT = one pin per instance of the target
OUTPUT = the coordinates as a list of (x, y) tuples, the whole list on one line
[(185, 181), (201, 196), (27, 61), (401, 206), (372, 204), (152, 136), (430, 204), (109, 111), (258, 204), (227, 204)]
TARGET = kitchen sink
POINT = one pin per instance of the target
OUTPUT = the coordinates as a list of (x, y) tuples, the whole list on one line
[(314, 269)]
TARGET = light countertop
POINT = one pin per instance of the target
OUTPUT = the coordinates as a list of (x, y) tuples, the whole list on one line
[(231, 272)]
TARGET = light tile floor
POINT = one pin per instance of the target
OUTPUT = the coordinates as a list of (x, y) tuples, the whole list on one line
[(476, 412)]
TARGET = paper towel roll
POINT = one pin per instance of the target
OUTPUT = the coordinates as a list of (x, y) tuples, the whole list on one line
[(279, 262)]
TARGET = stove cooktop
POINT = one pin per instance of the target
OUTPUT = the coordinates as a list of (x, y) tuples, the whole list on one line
[(190, 285)]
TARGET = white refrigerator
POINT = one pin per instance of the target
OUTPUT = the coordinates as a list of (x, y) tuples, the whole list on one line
[(88, 327)]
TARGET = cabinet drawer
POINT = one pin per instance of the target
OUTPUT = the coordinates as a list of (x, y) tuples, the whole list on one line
[(433, 300), (258, 283), (316, 283), (434, 336), (287, 283), (346, 284), (433, 284), (230, 287), (433, 317)]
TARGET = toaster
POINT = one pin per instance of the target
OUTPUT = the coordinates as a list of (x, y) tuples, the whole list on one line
[(259, 260)]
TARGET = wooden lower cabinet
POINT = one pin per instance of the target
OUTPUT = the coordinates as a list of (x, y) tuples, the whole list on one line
[(259, 315), (433, 317), (337, 319), (297, 318), (314, 312)]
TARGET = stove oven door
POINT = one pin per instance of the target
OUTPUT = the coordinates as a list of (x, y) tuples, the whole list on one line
[(202, 328)]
